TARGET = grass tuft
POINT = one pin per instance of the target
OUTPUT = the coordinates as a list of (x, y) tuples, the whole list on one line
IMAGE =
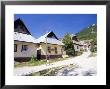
[(36, 62)]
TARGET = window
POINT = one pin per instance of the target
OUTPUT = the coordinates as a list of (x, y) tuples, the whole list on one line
[(24, 48), (15, 47), (56, 50), (49, 49)]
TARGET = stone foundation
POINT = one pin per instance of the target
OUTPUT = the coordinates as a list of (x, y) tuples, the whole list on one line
[(26, 59)]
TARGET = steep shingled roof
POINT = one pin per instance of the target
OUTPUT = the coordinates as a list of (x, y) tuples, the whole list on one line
[(54, 40), (20, 23), (24, 37), (29, 38)]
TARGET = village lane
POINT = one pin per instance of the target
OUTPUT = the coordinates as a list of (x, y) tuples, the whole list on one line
[(83, 61)]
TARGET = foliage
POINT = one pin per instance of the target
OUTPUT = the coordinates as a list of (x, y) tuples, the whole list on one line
[(88, 33), (94, 46), (33, 59), (78, 53), (92, 54), (36, 62), (70, 51), (82, 50), (68, 44)]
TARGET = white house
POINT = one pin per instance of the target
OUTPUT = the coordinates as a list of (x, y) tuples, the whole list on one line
[(80, 45), (50, 45)]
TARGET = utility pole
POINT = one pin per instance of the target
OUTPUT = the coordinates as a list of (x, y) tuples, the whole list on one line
[(46, 51), (46, 48)]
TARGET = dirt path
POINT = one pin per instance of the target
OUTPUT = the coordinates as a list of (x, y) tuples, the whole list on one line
[(83, 61)]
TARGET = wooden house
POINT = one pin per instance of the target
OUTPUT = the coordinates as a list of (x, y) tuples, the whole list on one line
[(50, 45), (80, 45), (77, 45), (25, 45)]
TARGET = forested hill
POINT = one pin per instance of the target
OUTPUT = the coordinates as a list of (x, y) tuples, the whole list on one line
[(88, 33)]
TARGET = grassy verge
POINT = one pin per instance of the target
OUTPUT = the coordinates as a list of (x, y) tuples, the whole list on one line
[(36, 62), (92, 54)]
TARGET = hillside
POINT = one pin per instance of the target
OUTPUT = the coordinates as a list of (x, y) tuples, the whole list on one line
[(88, 33)]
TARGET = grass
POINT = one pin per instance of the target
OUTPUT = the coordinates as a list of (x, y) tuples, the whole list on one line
[(92, 54), (37, 62), (40, 62)]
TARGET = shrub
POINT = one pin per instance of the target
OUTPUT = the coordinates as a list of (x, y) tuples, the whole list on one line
[(94, 46), (33, 58), (92, 55), (93, 49), (70, 52), (78, 53), (82, 50)]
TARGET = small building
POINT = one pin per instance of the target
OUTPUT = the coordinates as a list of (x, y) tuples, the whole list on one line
[(83, 45), (77, 45), (86, 44)]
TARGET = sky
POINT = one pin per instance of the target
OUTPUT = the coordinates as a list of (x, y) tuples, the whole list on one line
[(39, 24)]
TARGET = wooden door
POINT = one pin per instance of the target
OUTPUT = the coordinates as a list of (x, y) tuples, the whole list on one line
[(39, 54)]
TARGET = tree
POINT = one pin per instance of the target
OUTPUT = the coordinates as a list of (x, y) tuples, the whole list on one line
[(94, 45), (68, 44)]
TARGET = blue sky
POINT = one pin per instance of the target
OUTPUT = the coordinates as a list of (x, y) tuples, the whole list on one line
[(39, 24)]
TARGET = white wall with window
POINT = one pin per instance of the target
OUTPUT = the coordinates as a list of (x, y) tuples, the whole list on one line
[(23, 49), (77, 47)]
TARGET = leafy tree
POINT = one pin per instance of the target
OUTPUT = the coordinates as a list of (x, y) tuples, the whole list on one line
[(68, 44), (94, 45)]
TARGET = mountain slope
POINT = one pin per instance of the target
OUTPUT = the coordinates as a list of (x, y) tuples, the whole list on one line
[(88, 33)]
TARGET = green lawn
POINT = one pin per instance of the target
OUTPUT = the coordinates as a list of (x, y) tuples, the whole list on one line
[(37, 62)]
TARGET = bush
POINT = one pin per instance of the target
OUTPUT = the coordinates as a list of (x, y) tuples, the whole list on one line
[(92, 55), (93, 49), (70, 52), (78, 53), (33, 59), (94, 46), (82, 50)]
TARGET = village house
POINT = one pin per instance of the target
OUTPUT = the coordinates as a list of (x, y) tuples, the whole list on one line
[(83, 45), (50, 45), (76, 42), (26, 46)]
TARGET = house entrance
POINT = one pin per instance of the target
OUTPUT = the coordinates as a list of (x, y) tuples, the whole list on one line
[(39, 54)]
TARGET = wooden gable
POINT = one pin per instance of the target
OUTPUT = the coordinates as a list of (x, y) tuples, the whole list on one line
[(75, 38), (20, 27), (52, 35)]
